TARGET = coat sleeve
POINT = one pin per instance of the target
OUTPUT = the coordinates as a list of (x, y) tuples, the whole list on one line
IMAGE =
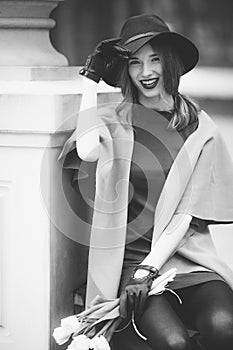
[(69, 159), (208, 196)]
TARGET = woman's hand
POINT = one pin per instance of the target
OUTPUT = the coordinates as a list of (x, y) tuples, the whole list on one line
[(102, 56), (136, 291)]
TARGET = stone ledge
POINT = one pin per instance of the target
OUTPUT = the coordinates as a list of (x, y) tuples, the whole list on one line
[(43, 73), (26, 23), (208, 82), (202, 82), (29, 139)]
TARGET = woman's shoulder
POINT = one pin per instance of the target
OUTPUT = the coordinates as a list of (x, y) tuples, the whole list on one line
[(107, 111), (206, 124), (115, 111), (202, 131), (111, 121), (208, 133)]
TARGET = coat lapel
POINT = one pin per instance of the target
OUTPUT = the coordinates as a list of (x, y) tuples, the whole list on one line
[(110, 214), (180, 174)]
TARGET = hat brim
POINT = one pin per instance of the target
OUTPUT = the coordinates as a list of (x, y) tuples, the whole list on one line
[(183, 46)]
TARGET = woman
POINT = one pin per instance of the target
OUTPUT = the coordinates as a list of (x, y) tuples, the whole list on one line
[(181, 176)]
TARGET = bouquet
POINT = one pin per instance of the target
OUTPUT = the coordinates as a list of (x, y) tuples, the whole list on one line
[(94, 327)]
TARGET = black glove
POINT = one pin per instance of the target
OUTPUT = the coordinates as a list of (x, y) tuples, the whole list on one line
[(136, 291), (103, 55)]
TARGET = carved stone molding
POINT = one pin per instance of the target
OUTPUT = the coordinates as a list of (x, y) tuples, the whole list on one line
[(24, 34)]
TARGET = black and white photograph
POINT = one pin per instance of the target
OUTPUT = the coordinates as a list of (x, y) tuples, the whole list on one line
[(116, 185)]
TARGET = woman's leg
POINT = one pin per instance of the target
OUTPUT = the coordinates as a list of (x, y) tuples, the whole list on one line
[(159, 323), (209, 307), (128, 340), (162, 327)]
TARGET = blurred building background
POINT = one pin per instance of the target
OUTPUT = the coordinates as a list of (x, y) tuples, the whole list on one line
[(81, 24)]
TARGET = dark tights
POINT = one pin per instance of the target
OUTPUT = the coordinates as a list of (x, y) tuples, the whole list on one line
[(207, 308)]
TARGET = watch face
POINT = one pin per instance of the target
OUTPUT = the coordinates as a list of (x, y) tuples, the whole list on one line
[(140, 273)]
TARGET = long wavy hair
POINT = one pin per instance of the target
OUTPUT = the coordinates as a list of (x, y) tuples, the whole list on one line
[(185, 109)]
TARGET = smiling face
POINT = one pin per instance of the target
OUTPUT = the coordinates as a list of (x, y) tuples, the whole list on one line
[(146, 73)]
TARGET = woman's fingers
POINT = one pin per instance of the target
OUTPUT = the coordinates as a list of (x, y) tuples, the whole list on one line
[(110, 41), (110, 48), (141, 302), (133, 299), (123, 305), (120, 51), (127, 303)]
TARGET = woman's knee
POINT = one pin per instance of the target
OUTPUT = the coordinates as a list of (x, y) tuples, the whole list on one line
[(174, 342), (218, 331), (162, 327), (179, 342)]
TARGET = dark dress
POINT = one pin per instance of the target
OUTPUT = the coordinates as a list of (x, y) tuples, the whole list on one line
[(155, 147)]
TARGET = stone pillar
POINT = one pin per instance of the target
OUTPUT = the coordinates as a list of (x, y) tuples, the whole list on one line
[(24, 33), (39, 255), (37, 92), (33, 106)]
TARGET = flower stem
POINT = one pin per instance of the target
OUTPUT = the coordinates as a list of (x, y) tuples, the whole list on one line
[(112, 328)]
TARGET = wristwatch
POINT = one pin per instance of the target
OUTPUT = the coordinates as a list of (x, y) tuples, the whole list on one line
[(140, 273), (143, 271)]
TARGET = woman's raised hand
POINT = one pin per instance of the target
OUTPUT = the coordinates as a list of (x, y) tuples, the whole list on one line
[(103, 55)]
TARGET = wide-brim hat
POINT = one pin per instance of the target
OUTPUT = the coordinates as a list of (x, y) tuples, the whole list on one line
[(139, 30)]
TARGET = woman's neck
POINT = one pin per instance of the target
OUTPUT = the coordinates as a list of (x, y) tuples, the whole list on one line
[(160, 104)]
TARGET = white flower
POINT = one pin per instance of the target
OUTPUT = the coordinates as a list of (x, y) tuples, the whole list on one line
[(61, 335), (99, 343), (159, 284), (70, 324), (81, 342)]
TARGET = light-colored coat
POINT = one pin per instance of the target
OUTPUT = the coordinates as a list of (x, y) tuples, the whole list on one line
[(199, 183)]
